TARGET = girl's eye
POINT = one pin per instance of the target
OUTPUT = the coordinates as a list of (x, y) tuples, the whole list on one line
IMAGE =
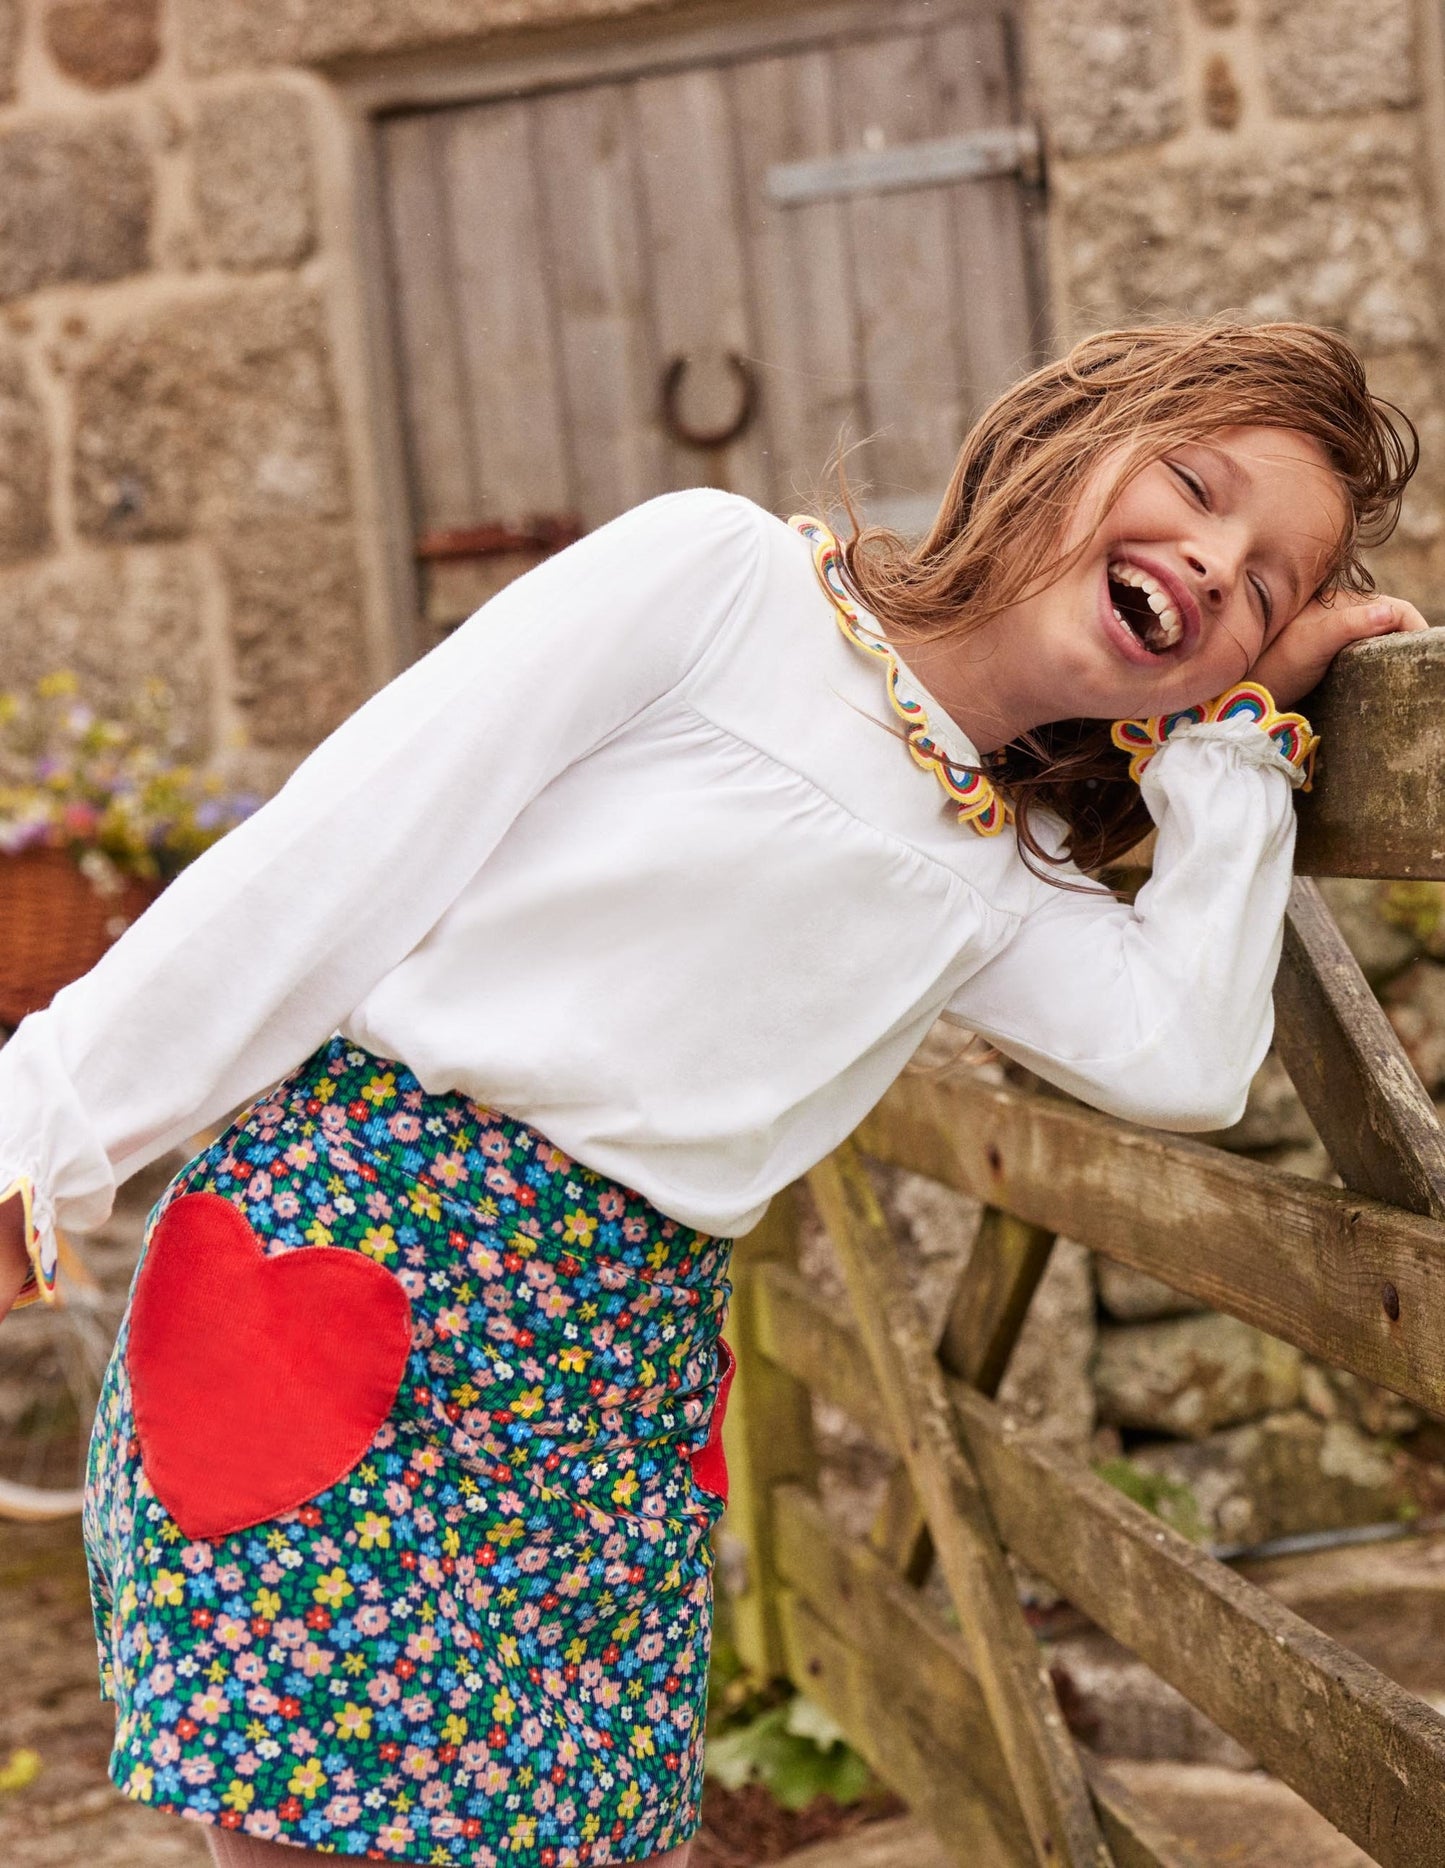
[(1193, 482), (1266, 603)]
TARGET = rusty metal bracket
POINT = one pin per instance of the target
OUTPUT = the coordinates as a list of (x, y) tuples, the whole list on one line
[(546, 532)]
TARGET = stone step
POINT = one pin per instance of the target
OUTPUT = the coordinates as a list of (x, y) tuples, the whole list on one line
[(1238, 1819), (1232, 1819), (901, 1842)]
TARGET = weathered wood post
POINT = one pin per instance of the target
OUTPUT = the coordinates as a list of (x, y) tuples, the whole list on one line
[(768, 1437)]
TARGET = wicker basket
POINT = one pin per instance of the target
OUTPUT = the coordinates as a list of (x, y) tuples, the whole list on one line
[(54, 925)]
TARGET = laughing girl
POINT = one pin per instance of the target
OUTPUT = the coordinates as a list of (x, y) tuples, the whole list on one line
[(589, 933)]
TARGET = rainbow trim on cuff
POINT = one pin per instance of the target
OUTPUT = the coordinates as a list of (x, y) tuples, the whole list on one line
[(43, 1251), (1292, 736), (979, 805)]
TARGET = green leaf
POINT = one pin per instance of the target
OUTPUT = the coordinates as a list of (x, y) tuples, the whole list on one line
[(805, 1720)]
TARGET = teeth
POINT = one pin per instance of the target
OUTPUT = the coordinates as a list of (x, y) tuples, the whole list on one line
[(1169, 626)]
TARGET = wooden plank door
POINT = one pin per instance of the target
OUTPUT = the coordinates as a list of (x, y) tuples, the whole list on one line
[(559, 257)]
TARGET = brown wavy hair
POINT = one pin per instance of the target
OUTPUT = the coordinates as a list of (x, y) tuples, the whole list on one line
[(1017, 481)]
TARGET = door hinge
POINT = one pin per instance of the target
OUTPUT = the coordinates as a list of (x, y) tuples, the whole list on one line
[(1014, 149)]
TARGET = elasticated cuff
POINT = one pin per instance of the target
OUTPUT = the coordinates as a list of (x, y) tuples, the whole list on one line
[(1285, 740)]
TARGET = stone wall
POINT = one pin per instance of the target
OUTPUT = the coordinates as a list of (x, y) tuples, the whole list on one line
[(1264, 155), (180, 482), (187, 481)]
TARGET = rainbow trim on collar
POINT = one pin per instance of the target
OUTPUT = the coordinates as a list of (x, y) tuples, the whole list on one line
[(979, 805)]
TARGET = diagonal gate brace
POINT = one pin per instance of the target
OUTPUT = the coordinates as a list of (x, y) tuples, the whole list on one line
[(1043, 1765)]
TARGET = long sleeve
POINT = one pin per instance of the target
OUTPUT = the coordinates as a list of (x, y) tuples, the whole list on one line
[(256, 953), (1160, 1011)]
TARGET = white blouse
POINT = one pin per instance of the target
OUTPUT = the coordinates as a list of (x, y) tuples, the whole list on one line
[(638, 856)]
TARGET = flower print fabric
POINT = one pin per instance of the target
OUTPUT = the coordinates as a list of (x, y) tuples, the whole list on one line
[(487, 1643)]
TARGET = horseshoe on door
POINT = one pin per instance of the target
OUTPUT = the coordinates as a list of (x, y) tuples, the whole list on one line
[(685, 432)]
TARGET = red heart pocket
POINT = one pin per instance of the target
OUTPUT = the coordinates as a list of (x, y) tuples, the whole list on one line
[(710, 1462), (257, 1382)]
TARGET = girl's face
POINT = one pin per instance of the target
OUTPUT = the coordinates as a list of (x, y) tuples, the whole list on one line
[(1201, 561)]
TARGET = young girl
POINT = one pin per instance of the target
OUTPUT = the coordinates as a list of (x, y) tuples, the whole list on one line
[(627, 903)]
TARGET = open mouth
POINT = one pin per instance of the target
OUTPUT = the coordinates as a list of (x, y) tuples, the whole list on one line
[(1144, 607)]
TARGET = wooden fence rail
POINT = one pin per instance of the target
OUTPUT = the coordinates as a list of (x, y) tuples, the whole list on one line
[(963, 1719)]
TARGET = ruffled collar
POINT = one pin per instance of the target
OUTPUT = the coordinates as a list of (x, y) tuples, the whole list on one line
[(935, 742)]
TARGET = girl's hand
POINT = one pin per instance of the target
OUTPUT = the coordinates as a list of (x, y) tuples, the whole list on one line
[(14, 1259), (1296, 661)]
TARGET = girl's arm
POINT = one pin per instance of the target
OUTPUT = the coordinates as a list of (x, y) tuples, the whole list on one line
[(257, 952), (1160, 1011), (1163, 1012)]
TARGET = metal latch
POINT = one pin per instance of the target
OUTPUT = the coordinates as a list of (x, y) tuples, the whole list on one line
[(1015, 149)]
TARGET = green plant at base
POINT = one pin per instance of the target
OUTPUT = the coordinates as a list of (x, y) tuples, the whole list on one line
[(763, 1732)]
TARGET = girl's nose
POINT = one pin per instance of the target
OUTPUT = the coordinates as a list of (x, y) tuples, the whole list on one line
[(1212, 585)]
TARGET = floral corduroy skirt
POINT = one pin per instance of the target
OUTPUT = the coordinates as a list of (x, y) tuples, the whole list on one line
[(401, 1549)]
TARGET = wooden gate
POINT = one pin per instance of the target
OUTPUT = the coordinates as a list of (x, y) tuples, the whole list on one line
[(962, 1720), (700, 268)]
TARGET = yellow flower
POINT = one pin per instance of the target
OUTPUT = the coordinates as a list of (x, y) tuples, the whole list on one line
[(507, 1650), (267, 1604), (317, 1234), (630, 1800), (625, 1490), (381, 1088), (579, 1227), (374, 1532), (572, 1358), (168, 1586), (454, 1729), (426, 1201), (142, 1783), (238, 1795), (528, 1403), (354, 1721), (642, 1740), (307, 1778), (508, 1532), (379, 1242), (332, 1588)]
